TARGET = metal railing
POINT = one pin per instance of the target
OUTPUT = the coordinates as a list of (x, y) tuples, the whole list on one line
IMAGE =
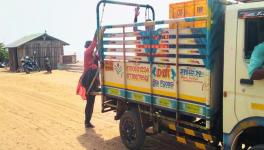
[(171, 55)]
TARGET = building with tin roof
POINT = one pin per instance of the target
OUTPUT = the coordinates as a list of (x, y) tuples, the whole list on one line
[(39, 46)]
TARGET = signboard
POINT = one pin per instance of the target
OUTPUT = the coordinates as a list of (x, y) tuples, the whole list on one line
[(193, 81), (114, 74), (258, 13), (164, 80), (138, 77)]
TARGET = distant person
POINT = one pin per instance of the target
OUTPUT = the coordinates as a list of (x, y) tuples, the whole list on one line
[(136, 17), (255, 67), (48, 65), (89, 72)]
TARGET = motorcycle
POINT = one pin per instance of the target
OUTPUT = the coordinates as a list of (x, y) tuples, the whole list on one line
[(35, 65), (2, 64), (29, 64)]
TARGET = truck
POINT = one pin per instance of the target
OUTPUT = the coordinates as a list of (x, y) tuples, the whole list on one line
[(186, 76)]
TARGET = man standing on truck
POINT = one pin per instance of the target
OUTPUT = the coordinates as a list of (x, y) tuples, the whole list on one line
[(148, 37), (255, 70), (90, 69)]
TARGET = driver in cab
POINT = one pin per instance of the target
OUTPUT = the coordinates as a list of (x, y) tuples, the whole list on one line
[(255, 67)]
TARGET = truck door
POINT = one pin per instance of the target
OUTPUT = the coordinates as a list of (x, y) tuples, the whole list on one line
[(249, 94)]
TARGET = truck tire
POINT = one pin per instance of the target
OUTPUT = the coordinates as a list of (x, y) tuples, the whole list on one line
[(131, 131)]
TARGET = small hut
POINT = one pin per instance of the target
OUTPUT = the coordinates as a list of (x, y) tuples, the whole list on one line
[(38, 46), (69, 59)]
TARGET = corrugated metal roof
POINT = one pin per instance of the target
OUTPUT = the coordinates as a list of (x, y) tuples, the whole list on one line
[(28, 38)]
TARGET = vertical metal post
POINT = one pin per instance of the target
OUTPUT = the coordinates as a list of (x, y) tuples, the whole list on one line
[(177, 74), (150, 69), (101, 63), (124, 60), (208, 103)]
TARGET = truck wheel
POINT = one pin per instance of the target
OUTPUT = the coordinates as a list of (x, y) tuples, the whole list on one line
[(131, 131)]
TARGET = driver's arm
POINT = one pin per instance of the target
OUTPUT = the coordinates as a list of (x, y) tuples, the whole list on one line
[(255, 67), (258, 74), (135, 28)]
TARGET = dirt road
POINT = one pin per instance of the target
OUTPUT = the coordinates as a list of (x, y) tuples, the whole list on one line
[(41, 111)]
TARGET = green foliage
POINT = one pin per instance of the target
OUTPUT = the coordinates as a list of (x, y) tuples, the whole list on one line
[(3, 53)]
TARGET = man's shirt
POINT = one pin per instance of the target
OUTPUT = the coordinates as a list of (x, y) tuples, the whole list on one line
[(256, 59), (88, 57)]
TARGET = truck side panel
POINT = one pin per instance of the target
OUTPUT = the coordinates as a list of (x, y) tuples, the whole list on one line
[(154, 76)]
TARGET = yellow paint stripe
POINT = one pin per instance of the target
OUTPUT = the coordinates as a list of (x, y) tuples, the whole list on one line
[(181, 140), (159, 92), (200, 145), (140, 89), (207, 137), (172, 127), (114, 84), (192, 98), (189, 132), (257, 106)]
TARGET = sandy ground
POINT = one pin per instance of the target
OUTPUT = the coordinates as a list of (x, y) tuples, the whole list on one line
[(40, 111)]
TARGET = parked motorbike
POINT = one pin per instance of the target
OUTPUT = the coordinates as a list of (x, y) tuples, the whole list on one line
[(48, 65), (29, 64), (35, 65), (2, 64)]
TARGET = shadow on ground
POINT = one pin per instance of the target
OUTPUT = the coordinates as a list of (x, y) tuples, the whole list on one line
[(93, 141)]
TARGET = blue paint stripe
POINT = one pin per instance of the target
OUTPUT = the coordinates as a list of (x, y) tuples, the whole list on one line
[(170, 103), (188, 101), (161, 36), (159, 22), (192, 46), (199, 31), (183, 56), (193, 56), (192, 36)]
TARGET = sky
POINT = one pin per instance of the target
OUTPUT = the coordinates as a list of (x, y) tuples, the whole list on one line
[(73, 21)]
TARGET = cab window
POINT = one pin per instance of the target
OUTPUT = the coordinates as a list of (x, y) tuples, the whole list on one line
[(254, 34)]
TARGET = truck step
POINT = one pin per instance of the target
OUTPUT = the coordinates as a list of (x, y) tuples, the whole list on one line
[(190, 132), (110, 105), (195, 143), (107, 109)]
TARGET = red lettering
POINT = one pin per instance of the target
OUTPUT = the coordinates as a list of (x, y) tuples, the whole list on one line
[(163, 73)]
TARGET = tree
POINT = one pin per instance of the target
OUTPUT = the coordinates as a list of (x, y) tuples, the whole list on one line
[(3, 53)]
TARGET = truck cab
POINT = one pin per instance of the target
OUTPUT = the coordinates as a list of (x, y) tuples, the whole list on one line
[(243, 98)]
